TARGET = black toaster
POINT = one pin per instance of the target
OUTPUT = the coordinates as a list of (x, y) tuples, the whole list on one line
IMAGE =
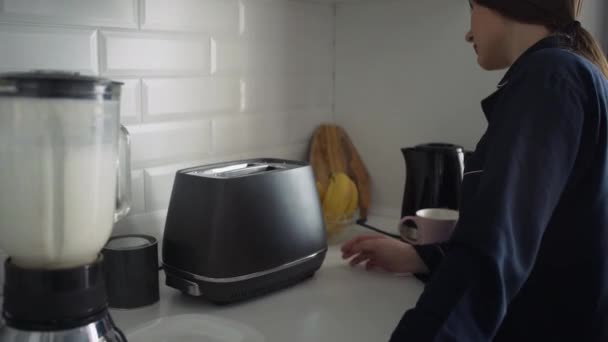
[(240, 229)]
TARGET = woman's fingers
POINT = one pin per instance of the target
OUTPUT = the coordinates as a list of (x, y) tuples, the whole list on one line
[(368, 246), (348, 245), (370, 265), (359, 259), (347, 248)]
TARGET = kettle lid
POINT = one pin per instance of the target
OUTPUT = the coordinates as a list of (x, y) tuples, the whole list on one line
[(439, 147), (58, 84)]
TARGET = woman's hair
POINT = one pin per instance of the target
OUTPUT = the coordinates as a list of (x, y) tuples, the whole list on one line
[(559, 16)]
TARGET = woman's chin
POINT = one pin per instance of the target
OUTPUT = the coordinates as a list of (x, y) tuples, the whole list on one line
[(490, 65)]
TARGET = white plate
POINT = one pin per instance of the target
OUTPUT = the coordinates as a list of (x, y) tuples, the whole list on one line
[(194, 328)]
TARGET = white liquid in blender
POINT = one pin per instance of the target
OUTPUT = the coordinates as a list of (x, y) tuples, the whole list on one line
[(60, 213), (57, 181)]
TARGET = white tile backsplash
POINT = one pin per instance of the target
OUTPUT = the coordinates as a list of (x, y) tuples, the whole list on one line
[(138, 204), (154, 54), (261, 19), (33, 47), (286, 20), (227, 56), (263, 93), (109, 13), (218, 16), (175, 96), (152, 224), (204, 80), (238, 134), (159, 183), (293, 37), (289, 152), (301, 124), (130, 100), (169, 141), (293, 58)]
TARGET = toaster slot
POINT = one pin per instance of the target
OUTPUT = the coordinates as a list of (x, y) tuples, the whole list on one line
[(238, 170)]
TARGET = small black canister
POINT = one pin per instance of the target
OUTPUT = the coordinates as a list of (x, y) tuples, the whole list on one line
[(131, 271)]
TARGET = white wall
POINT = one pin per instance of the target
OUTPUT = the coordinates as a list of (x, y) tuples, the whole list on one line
[(594, 18), (205, 80), (404, 76)]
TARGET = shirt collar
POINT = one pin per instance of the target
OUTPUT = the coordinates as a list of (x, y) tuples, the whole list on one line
[(545, 43), (488, 103)]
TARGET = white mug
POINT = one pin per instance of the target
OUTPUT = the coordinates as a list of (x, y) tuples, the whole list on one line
[(433, 225)]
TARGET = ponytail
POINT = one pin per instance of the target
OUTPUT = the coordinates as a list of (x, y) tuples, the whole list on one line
[(583, 43)]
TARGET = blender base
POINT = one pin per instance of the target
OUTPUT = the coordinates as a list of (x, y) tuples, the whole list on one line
[(101, 330), (57, 305)]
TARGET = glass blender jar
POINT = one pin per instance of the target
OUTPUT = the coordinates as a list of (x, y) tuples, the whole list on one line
[(64, 182)]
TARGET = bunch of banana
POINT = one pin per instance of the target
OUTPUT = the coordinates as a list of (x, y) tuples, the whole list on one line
[(340, 201)]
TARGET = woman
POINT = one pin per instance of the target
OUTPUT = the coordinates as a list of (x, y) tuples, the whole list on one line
[(528, 260)]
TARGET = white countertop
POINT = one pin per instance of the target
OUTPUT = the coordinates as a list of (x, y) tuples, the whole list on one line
[(340, 303)]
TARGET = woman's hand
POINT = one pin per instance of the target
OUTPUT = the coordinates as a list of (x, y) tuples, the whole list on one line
[(385, 253)]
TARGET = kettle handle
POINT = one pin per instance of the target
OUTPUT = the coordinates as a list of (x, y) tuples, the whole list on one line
[(123, 183)]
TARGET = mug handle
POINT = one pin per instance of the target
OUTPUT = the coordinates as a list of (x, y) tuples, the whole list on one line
[(408, 229)]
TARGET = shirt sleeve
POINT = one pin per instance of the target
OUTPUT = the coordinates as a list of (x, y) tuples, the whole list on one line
[(531, 149), (431, 255)]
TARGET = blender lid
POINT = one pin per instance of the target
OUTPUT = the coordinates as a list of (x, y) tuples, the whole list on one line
[(58, 84)]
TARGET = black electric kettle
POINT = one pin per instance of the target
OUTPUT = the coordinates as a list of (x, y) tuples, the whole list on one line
[(433, 177)]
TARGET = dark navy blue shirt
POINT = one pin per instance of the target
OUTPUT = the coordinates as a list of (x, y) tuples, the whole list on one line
[(528, 260)]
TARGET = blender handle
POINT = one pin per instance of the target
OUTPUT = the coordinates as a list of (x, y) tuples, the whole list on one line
[(123, 184)]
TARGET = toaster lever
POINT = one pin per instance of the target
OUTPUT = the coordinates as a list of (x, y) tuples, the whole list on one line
[(184, 285)]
